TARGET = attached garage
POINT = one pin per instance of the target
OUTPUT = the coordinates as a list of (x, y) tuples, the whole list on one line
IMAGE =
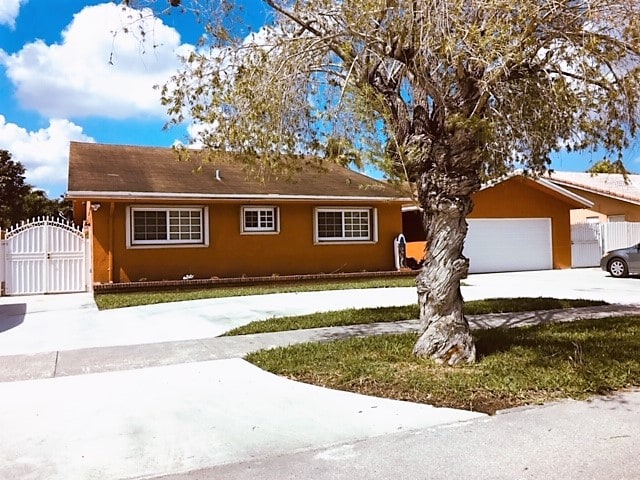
[(509, 244), (517, 224)]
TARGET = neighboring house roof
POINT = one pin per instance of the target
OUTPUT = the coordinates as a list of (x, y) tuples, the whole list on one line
[(122, 172), (612, 185), (576, 200)]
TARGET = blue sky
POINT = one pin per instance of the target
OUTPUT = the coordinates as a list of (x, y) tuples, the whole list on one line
[(57, 85)]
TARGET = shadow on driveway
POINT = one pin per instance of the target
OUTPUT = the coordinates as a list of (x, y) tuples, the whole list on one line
[(12, 315)]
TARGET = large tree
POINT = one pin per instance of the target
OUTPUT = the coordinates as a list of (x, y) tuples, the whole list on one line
[(608, 166), (443, 94), (20, 201), (13, 189)]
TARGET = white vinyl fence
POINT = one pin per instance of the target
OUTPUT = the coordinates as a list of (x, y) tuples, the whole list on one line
[(44, 255), (589, 241), (619, 235), (2, 281)]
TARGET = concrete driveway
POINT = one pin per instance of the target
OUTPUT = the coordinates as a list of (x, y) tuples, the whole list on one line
[(228, 419), (588, 283)]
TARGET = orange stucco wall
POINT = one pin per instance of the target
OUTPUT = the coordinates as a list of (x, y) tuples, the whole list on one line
[(232, 254), (604, 207), (518, 198)]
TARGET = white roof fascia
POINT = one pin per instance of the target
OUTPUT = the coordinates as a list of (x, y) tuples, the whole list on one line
[(499, 180), (563, 191), (190, 196), (543, 182)]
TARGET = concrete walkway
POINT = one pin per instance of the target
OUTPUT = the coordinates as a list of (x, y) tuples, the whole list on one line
[(128, 357), (31, 328), (177, 418), (147, 392)]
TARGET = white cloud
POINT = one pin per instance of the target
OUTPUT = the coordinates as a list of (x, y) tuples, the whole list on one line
[(43, 153), (9, 10), (74, 78)]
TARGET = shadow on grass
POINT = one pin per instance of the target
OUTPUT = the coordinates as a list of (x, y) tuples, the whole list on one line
[(478, 323), (515, 367), (594, 348)]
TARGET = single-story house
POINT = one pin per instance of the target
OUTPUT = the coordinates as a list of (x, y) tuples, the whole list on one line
[(151, 217), (615, 199), (517, 223)]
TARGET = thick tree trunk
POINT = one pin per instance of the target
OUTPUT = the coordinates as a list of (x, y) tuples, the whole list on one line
[(445, 197)]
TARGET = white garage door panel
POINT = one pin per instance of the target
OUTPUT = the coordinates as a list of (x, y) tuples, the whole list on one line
[(509, 245)]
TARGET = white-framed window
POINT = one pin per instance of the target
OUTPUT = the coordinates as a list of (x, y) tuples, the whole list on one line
[(336, 224), (163, 226), (260, 219)]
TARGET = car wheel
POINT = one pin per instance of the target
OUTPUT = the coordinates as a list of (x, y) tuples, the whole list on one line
[(618, 268)]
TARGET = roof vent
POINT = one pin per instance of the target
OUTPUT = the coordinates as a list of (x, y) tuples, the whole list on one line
[(218, 175)]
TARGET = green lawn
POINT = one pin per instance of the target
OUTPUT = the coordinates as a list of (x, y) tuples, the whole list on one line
[(515, 366), (131, 299), (519, 366), (393, 314)]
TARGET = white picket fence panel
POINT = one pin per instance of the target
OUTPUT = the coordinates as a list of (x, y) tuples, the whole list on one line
[(589, 241), (45, 255)]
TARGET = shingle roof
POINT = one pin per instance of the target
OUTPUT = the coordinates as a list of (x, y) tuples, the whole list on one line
[(609, 184), (120, 171)]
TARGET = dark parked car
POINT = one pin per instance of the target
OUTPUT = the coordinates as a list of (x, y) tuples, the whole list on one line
[(622, 262)]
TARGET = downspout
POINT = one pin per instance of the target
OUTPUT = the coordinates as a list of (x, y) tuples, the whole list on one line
[(112, 207)]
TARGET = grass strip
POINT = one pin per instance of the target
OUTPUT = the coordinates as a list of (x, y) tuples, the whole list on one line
[(363, 316), (519, 366), (107, 301)]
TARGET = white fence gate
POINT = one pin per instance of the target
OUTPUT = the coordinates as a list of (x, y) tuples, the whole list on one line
[(589, 241), (44, 256), (586, 248)]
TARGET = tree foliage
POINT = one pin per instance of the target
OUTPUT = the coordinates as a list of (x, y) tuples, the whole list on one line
[(528, 77), (20, 201), (12, 190), (608, 166), (443, 94)]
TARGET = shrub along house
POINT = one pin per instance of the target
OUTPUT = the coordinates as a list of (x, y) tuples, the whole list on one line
[(152, 217)]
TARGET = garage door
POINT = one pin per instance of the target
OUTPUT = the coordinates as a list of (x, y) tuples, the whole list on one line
[(509, 244)]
